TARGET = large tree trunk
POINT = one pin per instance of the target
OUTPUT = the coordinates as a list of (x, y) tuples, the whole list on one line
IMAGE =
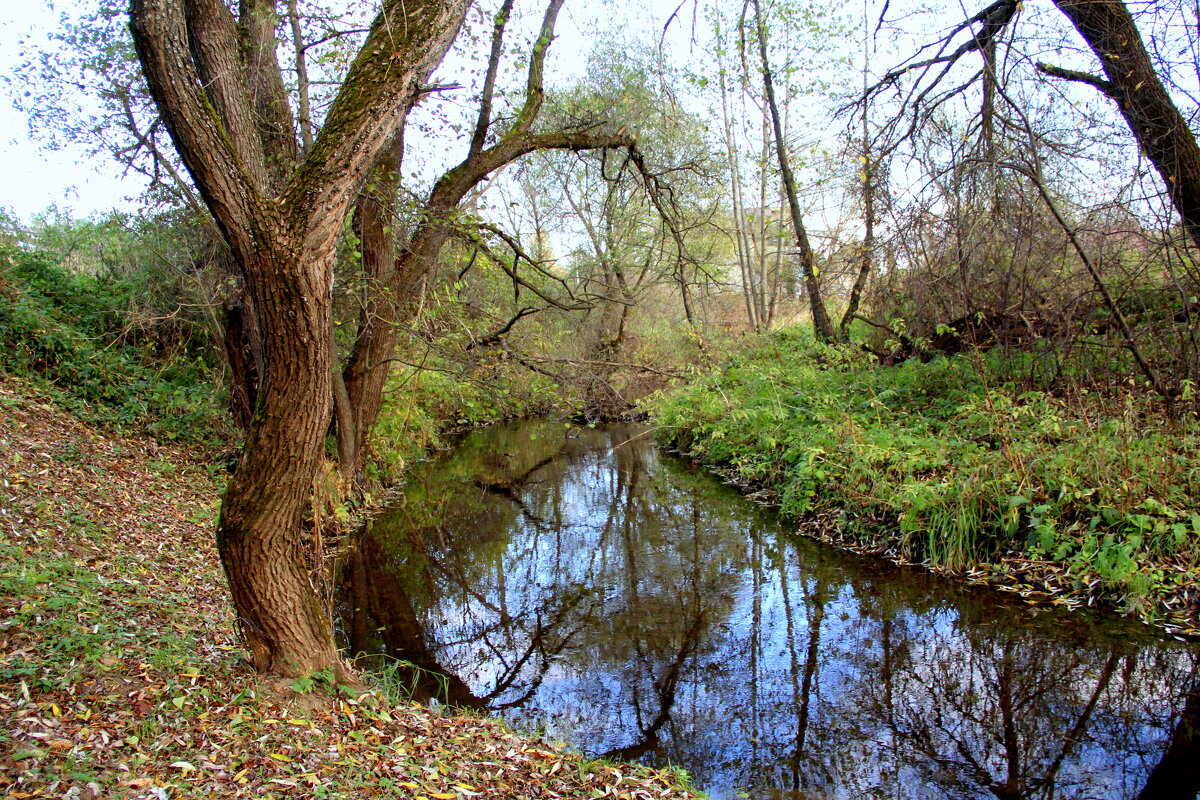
[(260, 535), (1160, 129), (217, 86)]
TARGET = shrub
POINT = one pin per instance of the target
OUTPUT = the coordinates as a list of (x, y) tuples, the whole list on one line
[(66, 330)]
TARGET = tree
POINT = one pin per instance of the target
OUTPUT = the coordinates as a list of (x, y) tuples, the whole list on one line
[(219, 89), (821, 322), (1130, 78), (762, 58), (392, 269), (641, 222), (1012, 143), (280, 193), (1143, 100)]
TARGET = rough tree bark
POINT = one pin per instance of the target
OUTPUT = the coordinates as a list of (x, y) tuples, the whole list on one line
[(218, 88), (1146, 105)]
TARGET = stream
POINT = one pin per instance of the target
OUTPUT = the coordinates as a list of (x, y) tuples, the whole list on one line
[(580, 583)]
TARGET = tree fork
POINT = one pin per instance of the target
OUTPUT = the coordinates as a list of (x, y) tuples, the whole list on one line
[(282, 229)]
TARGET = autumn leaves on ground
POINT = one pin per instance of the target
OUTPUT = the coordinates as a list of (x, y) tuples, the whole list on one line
[(121, 675)]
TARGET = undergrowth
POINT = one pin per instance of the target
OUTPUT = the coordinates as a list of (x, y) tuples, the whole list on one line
[(442, 396), (938, 463), (66, 330)]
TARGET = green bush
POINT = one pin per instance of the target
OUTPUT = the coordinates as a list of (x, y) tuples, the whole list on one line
[(452, 391), (66, 330)]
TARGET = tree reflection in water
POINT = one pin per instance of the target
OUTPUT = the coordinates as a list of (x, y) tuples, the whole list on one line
[(579, 582)]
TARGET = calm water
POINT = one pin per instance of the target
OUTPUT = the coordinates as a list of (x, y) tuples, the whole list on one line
[(582, 583)]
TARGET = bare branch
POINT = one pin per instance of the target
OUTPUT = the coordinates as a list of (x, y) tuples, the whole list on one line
[(574, 303), (992, 20), (495, 336), (1095, 81), (489, 81), (1101, 286)]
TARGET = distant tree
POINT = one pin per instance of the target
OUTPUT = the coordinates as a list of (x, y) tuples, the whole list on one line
[(763, 58), (822, 324)]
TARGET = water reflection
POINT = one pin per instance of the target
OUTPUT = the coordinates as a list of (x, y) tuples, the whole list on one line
[(580, 583)]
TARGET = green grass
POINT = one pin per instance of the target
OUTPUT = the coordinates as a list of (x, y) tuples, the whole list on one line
[(941, 463)]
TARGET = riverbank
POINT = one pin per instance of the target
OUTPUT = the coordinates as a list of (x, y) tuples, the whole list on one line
[(121, 673), (1081, 501)]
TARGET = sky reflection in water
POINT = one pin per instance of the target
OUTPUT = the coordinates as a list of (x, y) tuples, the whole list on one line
[(579, 582)]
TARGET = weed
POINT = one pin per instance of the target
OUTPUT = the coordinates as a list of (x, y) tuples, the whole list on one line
[(66, 331)]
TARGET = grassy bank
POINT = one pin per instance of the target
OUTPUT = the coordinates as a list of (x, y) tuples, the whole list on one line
[(1089, 501), (93, 340), (121, 675)]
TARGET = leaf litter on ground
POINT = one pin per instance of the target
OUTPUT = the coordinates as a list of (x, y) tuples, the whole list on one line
[(121, 673)]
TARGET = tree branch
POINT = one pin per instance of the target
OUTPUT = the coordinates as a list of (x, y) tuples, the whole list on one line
[(191, 108), (489, 82), (1095, 81), (1101, 286), (495, 336), (535, 90), (407, 40), (276, 128), (993, 20)]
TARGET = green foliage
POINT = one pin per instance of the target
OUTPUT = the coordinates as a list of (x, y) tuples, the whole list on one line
[(70, 330), (447, 394), (951, 467), (451, 373), (50, 615), (324, 679), (440, 386)]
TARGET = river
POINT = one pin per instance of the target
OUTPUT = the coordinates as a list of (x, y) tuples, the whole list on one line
[(581, 583)]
